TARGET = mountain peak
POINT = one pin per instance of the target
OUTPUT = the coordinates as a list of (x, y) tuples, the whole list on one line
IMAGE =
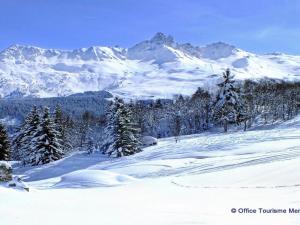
[(161, 38)]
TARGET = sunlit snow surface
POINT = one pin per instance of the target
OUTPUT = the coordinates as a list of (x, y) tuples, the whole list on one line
[(195, 181)]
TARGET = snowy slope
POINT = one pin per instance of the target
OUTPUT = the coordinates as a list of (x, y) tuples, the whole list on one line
[(195, 181), (158, 67)]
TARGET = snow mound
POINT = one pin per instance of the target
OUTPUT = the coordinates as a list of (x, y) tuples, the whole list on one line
[(148, 141), (92, 178)]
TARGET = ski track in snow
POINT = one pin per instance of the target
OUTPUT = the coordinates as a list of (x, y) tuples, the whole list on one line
[(242, 187)]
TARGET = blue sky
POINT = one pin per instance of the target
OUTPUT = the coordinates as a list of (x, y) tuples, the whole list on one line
[(257, 25)]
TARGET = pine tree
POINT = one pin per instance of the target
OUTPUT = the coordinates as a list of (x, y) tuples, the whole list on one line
[(122, 134), (45, 144), (228, 106), (58, 119), (61, 127), (90, 145), (17, 143), (201, 106), (177, 114), (22, 140), (4, 144)]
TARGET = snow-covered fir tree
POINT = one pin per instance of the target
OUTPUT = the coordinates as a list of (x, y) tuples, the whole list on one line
[(228, 105), (176, 115), (22, 140), (200, 105), (58, 120), (45, 142), (122, 133), (90, 145), (16, 144), (4, 144), (61, 127)]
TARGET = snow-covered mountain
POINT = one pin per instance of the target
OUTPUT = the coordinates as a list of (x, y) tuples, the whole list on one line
[(159, 67)]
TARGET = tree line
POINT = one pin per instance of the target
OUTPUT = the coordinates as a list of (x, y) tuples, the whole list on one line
[(47, 136), (233, 104)]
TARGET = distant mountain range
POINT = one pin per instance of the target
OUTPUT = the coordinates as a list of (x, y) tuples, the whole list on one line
[(156, 68)]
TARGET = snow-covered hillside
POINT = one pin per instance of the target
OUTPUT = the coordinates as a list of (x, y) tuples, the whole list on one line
[(197, 180), (159, 67)]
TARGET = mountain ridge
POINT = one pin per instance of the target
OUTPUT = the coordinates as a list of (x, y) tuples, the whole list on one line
[(156, 68)]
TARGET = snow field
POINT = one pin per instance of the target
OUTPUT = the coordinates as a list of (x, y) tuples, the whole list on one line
[(195, 181)]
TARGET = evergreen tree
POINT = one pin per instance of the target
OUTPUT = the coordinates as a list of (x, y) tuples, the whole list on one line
[(4, 144), (122, 134), (22, 140), (61, 127), (58, 119), (176, 115), (17, 143), (201, 104), (45, 143), (84, 127), (90, 145), (228, 106)]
